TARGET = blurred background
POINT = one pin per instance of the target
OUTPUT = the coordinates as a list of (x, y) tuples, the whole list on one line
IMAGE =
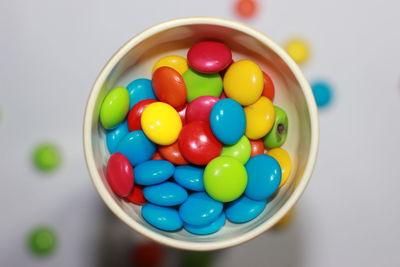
[(51, 53)]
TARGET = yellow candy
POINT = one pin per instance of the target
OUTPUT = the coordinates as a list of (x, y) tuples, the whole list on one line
[(286, 220), (176, 62), (260, 118), (298, 49), (284, 161), (161, 123), (244, 82)]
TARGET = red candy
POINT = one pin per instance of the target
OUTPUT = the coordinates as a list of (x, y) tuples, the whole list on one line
[(209, 56), (169, 87), (182, 114), (120, 174), (257, 147), (136, 112), (148, 255), (157, 156), (269, 88), (136, 196), (172, 154), (198, 144), (200, 108)]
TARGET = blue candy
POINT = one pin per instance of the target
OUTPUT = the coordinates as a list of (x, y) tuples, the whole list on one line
[(228, 121), (153, 172), (207, 229), (322, 93), (263, 177), (244, 209), (165, 194), (163, 218), (199, 209), (140, 89), (136, 147), (115, 135), (189, 177)]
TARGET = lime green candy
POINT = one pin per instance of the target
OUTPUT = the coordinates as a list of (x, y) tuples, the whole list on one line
[(240, 151), (201, 84), (114, 108), (42, 241), (197, 259), (225, 179), (277, 136), (46, 157)]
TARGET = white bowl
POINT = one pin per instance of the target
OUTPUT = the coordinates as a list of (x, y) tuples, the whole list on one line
[(135, 60)]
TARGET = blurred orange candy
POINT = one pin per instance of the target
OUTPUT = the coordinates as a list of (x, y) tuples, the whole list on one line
[(246, 8)]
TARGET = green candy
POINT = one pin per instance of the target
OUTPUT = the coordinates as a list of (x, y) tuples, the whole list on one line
[(240, 151), (201, 84), (42, 241), (277, 136), (197, 259), (114, 108), (46, 157), (225, 179)]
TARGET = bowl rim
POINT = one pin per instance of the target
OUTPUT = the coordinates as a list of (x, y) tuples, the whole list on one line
[(181, 244)]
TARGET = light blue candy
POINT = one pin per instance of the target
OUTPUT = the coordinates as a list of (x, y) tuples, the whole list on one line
[(136, 147), (153, 172), (115, 135), (244, 209), (199, 209), (163, 218), (139, 90), (165, 194), (263, 177), (207, 229), (322, 93), (228, 121), (189, 177)]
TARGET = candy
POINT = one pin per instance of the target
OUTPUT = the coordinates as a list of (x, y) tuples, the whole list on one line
[(46, 157), (257, 147), (135, 114), (139, 90), (207, 229), (260, 118), (264, 177), (172, 154), (244, 82), (114, 107), (228, 121), (165, 194), (322, 93), (197, 259), (298, 49), (120, 174), (148, 254), (161, 123), (189, 177), (284, 161), (42, 241), (136, 196), (157, 156), (176, 62), (269, 88), (201, 84), (246, 8), (225, 179), (209, 56), (115, 135), (244, 209), (199, 209), (198, 144), (182, 113), (200, 108), (163, 218), (169, 87), (240, 151), (277, 136), (153, 172), (136, 147)]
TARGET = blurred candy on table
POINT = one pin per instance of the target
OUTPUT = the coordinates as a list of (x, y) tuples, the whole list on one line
[(323, 94), (298, 49), (148, 255), (46, 157), (197, 259), (42, 241), (246, 8)]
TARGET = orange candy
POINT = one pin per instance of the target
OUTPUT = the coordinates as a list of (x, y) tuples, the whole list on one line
[(246, 8), (172, 154)]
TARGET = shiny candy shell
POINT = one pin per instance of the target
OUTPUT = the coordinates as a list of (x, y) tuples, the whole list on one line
[(260, 118), (228, 121), (189, 177), (172, 154), (200, 108), (244, 82), (120, 174), (257, 147), (163, 218), (201, 84), (169, 87), (136, 147), (153, 172), (165, 194), (277, 136), (199, 209), (114, 107), (136, 196), (140, 89), (135, 114), (207, 229), (240, 151), (269, 88), (161, 123), (115, 135), (176, 62), (209, 56), (264, 177), (244, 209), (283, 158)]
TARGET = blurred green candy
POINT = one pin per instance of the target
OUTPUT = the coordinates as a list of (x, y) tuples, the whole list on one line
[(46, 157), (42, 241)]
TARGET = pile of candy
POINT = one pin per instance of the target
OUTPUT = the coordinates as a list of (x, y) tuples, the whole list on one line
[(197, 145)]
